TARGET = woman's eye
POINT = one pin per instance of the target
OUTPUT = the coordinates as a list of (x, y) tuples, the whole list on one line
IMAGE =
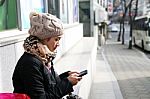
[(57, 39)]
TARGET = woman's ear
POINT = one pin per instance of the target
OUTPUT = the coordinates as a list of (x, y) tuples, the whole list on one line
[(44, 42), (48, 39)]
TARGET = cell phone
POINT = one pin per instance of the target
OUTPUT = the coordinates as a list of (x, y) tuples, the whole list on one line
[(82, 73)]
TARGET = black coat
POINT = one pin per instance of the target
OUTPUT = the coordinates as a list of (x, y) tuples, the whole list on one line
[(34, 79)]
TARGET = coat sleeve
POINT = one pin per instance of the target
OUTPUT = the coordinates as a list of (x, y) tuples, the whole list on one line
[(64, 75), (34, 84)]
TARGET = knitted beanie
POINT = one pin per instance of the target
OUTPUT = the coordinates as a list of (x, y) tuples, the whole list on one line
[(45, 25)]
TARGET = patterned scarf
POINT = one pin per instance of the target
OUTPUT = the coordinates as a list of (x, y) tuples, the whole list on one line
[(34, 46)]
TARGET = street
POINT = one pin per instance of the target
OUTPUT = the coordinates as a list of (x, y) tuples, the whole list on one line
[(114, 36)]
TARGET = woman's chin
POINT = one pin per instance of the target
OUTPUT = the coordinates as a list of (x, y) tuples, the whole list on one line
[(53, 50)]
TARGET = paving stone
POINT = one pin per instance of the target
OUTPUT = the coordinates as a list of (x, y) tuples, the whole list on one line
[(131, 69)]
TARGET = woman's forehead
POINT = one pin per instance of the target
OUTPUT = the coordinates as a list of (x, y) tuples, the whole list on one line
[(55, 37), (59, 36)]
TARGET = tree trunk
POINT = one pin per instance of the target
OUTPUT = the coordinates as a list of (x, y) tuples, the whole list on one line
[(131, 21), (123, 33), (119, 35), (130, 38)]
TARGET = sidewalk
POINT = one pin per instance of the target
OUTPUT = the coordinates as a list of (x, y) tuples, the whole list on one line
[(122, 73), (105, 85)]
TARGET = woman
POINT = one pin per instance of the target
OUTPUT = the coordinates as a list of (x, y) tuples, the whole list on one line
[(34, 74)]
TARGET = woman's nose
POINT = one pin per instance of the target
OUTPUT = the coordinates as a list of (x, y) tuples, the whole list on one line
[(58, 44)]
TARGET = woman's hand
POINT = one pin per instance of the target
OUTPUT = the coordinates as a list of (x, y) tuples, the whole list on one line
[(73, 77), (70, 72)]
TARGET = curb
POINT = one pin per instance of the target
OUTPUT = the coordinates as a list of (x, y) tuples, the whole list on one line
[(116, 87)]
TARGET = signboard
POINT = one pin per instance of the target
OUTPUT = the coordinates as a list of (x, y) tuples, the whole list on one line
[(64, 11), (73, 12), (110, 7)]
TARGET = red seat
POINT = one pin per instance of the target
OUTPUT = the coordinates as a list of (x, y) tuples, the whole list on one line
[(13, 96)]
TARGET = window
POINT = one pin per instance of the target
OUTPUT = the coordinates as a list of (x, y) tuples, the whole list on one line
[(8, 14), (26, 6), (15, 13), (53, 7)]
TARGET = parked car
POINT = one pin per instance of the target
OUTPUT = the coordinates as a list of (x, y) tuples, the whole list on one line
[(113, 28)]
